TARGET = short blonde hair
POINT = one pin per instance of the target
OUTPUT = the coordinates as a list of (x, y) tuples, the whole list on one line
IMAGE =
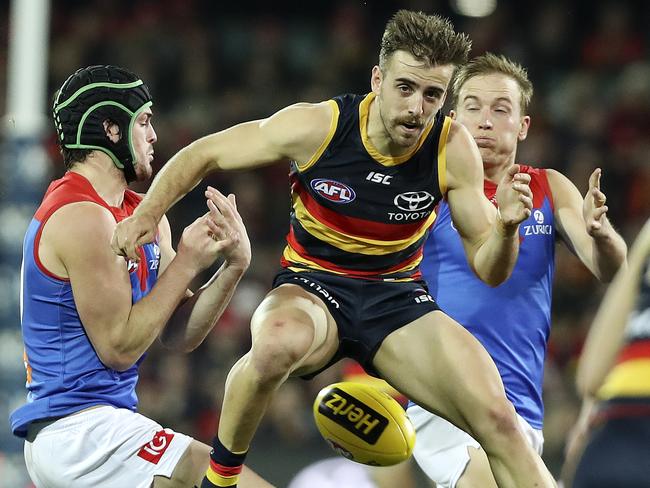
[(489, 64), (429, 38)]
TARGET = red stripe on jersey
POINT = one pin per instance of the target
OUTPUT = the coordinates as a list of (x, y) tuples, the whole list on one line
[(353, 226), (635, 350), (291, 240)]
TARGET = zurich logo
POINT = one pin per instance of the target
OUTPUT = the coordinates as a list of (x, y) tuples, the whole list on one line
[(538, 216), (413, 201), (333, 190)]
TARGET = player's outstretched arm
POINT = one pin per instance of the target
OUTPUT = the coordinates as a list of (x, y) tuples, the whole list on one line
[(196, 317), (490, 238), (295, 132), (607, 331), (584, 225)]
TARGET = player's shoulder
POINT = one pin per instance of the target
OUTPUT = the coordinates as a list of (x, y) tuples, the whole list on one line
[(297, 131)]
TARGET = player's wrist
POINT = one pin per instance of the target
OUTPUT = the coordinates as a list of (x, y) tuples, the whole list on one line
[(503, 228)]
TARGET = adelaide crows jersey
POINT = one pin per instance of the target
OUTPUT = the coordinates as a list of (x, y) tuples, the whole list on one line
[(64, 373), (357, 212), (512, 320)]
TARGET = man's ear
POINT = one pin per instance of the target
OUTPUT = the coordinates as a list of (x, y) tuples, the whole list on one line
[(523, 128), (112, 131), (375, 79)]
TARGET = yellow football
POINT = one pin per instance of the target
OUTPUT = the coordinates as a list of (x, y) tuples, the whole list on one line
[(364, 424)]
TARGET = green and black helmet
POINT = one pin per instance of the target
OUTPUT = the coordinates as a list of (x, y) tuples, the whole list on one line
[(95, 94)]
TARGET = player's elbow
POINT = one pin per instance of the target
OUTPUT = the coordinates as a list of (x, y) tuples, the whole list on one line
[(492, 279), (117, 357), (118, 362)]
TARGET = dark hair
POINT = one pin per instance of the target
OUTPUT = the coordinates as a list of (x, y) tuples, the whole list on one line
[(72, 156), (429, 38), (489, 64)]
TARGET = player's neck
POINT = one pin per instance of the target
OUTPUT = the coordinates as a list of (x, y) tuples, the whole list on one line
[(494, 171), (107, 180)]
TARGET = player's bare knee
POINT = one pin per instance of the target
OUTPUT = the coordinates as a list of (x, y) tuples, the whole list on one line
[(280, 348), (498, 422)]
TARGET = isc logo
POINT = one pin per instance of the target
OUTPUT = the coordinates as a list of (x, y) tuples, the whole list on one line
[(333, 190), (353, 415)]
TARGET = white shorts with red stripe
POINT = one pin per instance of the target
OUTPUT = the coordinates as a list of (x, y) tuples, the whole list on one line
[(103, 446)]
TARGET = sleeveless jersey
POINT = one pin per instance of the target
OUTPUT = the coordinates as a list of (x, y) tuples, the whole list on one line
[(512, 321), (64, 373), (630, 377), (357, 212)]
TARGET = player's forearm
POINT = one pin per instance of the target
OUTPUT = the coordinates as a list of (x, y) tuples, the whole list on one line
[(197, 316), (178, 177), (496, 258), (148, 317), (609, 254), (607, 331)]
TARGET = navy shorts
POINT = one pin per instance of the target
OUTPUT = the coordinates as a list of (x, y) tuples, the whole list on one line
[(618, 452), (365, 311)]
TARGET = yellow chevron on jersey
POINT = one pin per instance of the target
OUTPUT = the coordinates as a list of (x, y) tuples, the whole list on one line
[(630, 378), (291, 256), (352, 243)]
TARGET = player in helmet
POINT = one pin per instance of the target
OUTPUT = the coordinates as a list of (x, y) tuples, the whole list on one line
[(88, 317)]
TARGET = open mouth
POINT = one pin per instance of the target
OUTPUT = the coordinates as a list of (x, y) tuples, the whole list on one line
[(410, 127)]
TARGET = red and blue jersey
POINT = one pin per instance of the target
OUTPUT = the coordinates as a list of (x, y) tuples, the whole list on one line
[(512, 321), (64, 373)]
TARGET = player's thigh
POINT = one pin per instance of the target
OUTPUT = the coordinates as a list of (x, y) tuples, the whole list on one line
[(300, 322), (190, 468), (477, 472), (442, 367)]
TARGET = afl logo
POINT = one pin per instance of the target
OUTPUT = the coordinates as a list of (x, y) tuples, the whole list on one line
[(333, 190), (413, 201), (538, 216)]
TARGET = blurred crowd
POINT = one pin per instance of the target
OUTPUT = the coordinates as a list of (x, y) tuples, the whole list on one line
[(210, 66)]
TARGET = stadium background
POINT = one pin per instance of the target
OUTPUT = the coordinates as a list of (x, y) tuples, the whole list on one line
[(210, 66)]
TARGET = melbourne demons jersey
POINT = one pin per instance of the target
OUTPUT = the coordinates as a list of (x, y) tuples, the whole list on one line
[(64, 373), (630, 377), (357, 212), (512, 321)]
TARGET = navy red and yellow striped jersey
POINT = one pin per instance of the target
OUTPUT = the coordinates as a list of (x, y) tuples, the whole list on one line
[(357, 212), (630, 376)]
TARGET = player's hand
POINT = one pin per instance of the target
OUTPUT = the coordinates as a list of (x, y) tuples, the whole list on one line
[(234, 246), (514, 197), (132, 233), (594, 210), (220, 232)]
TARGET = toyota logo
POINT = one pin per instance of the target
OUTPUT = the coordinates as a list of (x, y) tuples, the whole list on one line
[(413, 201)]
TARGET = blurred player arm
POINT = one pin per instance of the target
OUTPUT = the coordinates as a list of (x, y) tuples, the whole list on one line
[(78, 236), (603, 344), (584, 226), (607, 331), (197, 316), (295, 132), (491, 240)]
